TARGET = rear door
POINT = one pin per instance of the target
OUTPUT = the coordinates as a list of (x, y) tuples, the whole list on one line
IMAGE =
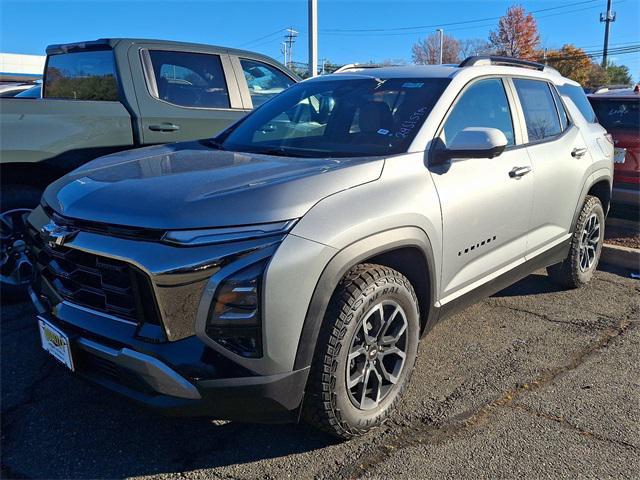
[(183, 95), (485, 207), (560, 158), (258, 80)]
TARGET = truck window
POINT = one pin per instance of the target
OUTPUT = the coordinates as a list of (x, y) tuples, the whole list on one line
[(88, 75), (264, 81), (190, 79)]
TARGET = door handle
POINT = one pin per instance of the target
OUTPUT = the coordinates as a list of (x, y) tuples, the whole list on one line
[(578, 152), (164, 127), (518, 172)]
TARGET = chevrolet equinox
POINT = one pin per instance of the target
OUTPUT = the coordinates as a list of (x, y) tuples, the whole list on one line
[(287, 268)]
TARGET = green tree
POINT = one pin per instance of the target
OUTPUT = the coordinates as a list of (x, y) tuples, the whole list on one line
[(618, 75)]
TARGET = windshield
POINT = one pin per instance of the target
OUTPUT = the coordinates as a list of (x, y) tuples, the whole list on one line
[(339, 118), (618, 114)]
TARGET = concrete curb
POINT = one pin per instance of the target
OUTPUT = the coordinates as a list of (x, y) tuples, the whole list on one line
[(622, 257)]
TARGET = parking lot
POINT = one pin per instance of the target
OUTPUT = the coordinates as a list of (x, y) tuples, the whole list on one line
[(534, 381)]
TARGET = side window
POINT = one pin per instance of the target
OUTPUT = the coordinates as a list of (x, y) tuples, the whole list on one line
[(483, 104), (264, 81), (539, 109), (190, 79), (579, 98), (564, 117), (89, 75)]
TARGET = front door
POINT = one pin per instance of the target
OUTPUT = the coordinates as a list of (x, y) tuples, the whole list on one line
[(485, 206)]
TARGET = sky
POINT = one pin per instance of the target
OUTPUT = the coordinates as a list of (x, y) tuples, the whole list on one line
[(350, 31)]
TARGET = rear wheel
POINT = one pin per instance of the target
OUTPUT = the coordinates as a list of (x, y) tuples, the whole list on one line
[(365, 354), (586, 244), (15, 267)]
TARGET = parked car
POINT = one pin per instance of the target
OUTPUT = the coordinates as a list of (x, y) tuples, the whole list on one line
[(619, 112), (110, 95), (288, 267)]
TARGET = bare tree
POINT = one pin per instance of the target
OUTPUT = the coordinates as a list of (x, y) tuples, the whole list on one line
[(427, 51), (474, 46)]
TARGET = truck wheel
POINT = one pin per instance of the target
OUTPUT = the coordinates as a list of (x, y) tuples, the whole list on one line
[(365, 353), (15, 267), (586, 244)]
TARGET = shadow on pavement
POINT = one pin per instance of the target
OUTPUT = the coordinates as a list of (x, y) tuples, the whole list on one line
[(55, 425)]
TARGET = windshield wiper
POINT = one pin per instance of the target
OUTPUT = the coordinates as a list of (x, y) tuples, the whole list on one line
[(279, 152)]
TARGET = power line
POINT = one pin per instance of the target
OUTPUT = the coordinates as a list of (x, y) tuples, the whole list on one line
[(422, 27), (277, 32), (485, 25)]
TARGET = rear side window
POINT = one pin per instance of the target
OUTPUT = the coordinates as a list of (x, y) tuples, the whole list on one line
[(190, 79), (578, 97), (89, 75), (264, 81), (618, 114), (539, 109), (483, 104)]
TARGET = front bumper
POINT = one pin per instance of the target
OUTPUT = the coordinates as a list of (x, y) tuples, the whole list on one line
[(157, 375)]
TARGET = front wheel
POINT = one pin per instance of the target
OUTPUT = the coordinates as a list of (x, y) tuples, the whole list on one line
[(586, 244), (15, 266), (365, 353)]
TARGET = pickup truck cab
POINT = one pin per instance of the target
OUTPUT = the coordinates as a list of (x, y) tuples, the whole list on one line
[(108, 95)]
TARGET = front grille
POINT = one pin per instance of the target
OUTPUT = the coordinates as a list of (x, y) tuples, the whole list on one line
[(100, 283)]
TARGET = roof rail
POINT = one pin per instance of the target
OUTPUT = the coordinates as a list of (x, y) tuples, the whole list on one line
[(352, 66), (500, 60)]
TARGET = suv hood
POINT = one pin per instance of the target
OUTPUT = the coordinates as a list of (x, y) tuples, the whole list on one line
[(191, 185)]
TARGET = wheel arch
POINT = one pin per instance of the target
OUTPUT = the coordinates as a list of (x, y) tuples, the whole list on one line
[(599, 185), (406, 249), (34, 174)]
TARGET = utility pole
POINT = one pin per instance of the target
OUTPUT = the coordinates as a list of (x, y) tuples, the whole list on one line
[(283, 50), (607, 18), (441, 38), (289, 39), (313, 38)]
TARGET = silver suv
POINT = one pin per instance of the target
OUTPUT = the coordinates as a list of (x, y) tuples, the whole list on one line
[(287, 268)]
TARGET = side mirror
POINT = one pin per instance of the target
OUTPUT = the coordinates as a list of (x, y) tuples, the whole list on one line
[(473, 142)]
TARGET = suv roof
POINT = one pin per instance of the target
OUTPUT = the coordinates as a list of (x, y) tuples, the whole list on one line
[(477, 64)]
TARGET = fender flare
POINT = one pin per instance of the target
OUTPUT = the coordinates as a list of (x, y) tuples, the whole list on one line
[(597, 176), (346, 259)]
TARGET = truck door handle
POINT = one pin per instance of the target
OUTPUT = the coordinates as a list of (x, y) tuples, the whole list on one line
[(518, 172), (164, 127), (578, 152)]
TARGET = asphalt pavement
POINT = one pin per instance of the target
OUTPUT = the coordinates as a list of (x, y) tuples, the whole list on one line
[(535, 381)]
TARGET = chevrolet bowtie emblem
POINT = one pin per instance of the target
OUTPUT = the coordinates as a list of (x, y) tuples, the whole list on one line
[(57, 235)]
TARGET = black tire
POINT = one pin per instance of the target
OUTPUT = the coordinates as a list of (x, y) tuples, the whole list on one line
[(16, 197), (571, 273), (329, 404)]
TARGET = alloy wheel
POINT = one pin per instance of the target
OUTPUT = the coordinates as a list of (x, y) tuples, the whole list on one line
[(589, 242), (15, 266), (377, 355)]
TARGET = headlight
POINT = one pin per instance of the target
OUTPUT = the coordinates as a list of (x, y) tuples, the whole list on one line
[(235, 319), (209, 236)]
